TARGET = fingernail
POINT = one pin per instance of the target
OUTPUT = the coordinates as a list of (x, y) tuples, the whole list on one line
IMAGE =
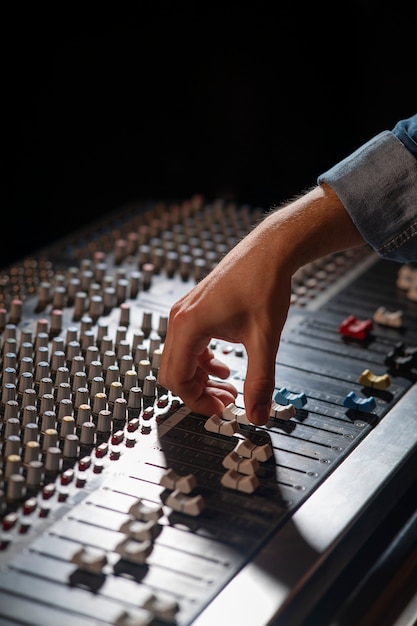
[(260, 414)]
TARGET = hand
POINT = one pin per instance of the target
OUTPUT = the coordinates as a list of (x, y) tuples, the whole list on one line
[(238, 302), (245, 299)]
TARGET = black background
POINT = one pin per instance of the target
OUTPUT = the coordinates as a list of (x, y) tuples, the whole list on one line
[(164, 100)]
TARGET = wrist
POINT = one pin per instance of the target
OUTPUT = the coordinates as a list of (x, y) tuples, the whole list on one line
[(313, 226)]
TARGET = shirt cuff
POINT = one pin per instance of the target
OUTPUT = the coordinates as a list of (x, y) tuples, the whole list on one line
[(377, 185)]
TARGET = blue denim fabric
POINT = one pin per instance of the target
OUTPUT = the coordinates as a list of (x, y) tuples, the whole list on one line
[(406, 131), (377, 185)]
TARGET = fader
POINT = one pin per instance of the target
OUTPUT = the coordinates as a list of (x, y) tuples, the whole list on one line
[(119, 505)]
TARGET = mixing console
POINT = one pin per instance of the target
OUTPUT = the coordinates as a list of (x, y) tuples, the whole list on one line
[(119, 505)]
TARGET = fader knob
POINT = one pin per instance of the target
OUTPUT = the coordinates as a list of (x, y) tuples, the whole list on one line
[(104, 421), (9, 334), (63, 392), (59, 298), (147, 323), (77, 365), (130, 380), (46, 386), (96, 306), (12, 446), (50, 439), (9, 374), (12, 427), (15, 311), (16, 487), (134, 402), (80, 304), (42, 356), (47, 421), (13, 465), (97, 386), (25, 382), (56, 321), (83, 413), (135, 284), (134, 551), (154, 343), (67, 426), (42, 371), (80, 382), (29, 398), (99, 403), (145, 512), (57, 360), (73, 350), (71, 446), (122, 290), (31, 453), (90, 559), (149, 389), (35, 474), (137, 339), (115, 391), (30, 415), (30, 433), (42, 339), (53, 459), (190, 505), (87, 341), (171, 263), (147, 272), (124, 319), (144, 369), (132, 241), (184, 483), (109, 359), (88, 434), (120, 410), (120, 251), (112, 375), (92, 353), (109, 299), (11, 410), (26, 362), (95, 368), (62, 375), (73, 287), (9, 358), (241, 482), (141, 354), (41, 327), (162, 326), (140, 531), (65, 407), (8, 393), (47, 403)]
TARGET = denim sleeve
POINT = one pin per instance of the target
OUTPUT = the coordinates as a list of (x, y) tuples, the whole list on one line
[(406, 131), (377, 185)]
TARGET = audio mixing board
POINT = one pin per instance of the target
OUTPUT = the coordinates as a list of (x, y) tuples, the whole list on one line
[(119, 505)]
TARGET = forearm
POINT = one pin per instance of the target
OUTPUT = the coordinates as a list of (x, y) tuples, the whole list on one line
[(310, 227)]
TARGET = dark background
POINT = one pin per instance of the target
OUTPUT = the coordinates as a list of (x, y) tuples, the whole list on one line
[(164, 100)]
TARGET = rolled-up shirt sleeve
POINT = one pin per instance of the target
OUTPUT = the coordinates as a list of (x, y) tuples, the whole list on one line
[(377, 185)]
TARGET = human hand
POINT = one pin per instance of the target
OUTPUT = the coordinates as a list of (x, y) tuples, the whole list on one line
[(238, 302), (245, 299)]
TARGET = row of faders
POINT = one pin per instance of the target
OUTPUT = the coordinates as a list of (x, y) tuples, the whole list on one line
[(111, 490), (82, 331), (60, 400)]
